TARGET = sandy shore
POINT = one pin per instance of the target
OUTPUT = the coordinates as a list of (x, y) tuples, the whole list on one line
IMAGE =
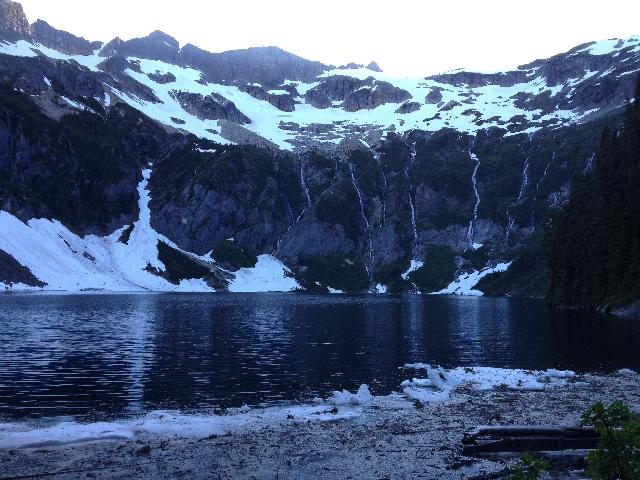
[(387, 439)]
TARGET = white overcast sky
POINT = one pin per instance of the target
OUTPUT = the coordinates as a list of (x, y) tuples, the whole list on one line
[(406, 37)]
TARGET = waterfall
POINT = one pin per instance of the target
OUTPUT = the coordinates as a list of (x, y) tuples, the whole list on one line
[(525, 180), (546, 171), (589, 166), (544, 175), (476, 207), (384, 191), (523, 189), (305, 189), (303, 184), (366, 222), (411, 204)]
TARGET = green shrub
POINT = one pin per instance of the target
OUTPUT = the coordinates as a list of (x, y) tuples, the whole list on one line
[(391, 276), (340, 271), (438, 270), (617, 456), (530, 468), (233, 257)]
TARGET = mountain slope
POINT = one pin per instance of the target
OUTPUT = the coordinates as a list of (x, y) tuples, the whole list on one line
[(261, 167)]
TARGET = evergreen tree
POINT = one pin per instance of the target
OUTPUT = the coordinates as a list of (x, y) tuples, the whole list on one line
[(593, 244)]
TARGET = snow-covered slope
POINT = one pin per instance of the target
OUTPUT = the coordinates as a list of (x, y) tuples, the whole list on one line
[(343, 103), (65, 261)]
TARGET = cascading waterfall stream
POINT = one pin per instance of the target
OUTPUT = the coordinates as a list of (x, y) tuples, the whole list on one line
[(384, 191), (305, 189), (474, 181), (523, 188), (538, 183), (369, 261), (589, 166), (303, 184), (411, 203)]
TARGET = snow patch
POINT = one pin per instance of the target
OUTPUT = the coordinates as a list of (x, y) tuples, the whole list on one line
[(415, 265), (465, 283), (170, 424), (268, 275), (68, 262)]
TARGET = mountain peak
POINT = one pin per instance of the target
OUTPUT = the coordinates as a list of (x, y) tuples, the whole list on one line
[(13, 19), (373, 66), (62, 41), (156, 46), (160, 36)]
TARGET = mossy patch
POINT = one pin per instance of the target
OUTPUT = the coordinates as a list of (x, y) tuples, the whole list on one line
[(438, 270), (339, 271), (233, 256)]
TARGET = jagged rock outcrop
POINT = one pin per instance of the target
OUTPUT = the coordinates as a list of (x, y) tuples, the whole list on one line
[(211, 107), (11, 271), (62, 41), (282, 101), (354, 94), (157, 46), (408, 107), (13, 21), (162, 78)]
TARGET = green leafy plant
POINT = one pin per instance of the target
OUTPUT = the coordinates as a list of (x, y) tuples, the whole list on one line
[(530, 468), (617, 456)]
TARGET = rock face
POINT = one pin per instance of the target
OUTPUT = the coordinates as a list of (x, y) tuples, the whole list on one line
[(11, 271), (82, 170), (211, 107), (283, 100), (354, 94), (162, 78), (12, 18)]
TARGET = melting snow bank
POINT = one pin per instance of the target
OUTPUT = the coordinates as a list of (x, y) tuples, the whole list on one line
[(440, 382), (68, 262), (344, 405), (392, 437), (268, 275), (466, 282), (171, 424)]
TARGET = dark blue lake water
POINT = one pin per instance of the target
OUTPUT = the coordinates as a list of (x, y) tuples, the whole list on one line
[(94, 356)]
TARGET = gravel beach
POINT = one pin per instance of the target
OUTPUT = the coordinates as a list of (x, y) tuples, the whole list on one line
[(391, 437)]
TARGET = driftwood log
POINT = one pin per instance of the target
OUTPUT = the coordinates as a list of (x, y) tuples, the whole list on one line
[(528, 439)]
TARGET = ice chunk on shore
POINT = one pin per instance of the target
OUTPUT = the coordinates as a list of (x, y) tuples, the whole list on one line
[(361, 397), (627, 372), (439, 382)]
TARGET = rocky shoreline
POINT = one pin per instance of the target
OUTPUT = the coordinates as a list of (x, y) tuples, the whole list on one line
[(388, 437)]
